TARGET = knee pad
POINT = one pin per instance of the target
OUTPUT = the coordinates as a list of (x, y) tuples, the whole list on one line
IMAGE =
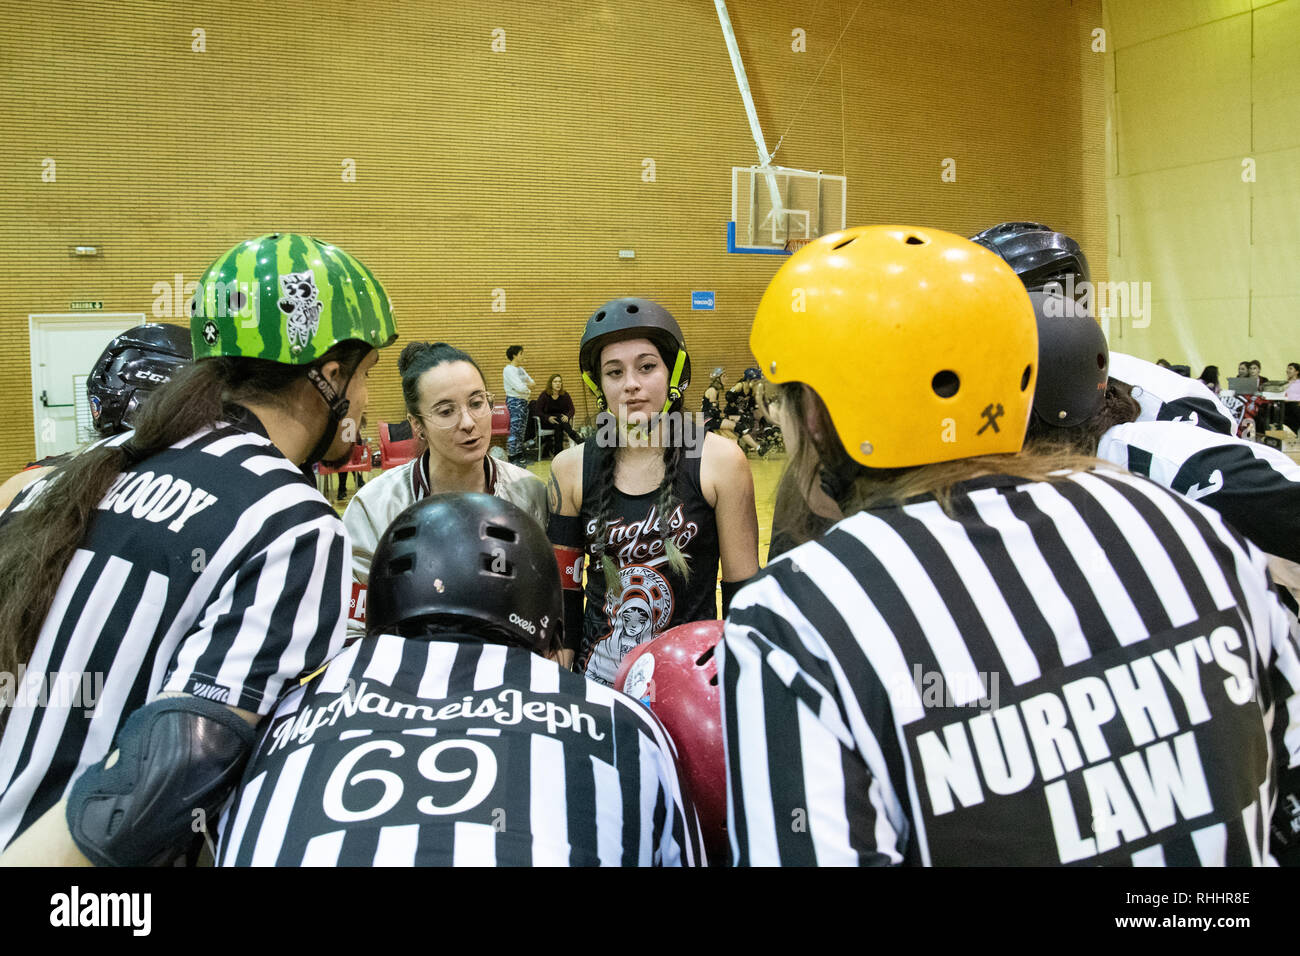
[(176, 756)]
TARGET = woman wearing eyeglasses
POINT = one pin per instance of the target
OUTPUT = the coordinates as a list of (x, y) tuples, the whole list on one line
[(450, 410)]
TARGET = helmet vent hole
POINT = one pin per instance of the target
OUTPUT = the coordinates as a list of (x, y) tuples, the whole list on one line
[(599, 316), (401, 565), (914, 241), (496, 564), (704, 658), (401, 534), (945, 383), (713, 681), (501, 534), (1024, 379), (841, 245), (633, 309), (1101, 361)]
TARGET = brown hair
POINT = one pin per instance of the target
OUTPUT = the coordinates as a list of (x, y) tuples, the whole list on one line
[(1119, 407), (39, 541), (819, 456)]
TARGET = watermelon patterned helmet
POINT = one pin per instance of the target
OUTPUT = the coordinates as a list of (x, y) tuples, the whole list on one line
[(287, 298)]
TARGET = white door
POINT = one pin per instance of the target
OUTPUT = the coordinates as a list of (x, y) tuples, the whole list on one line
[(64, 349)]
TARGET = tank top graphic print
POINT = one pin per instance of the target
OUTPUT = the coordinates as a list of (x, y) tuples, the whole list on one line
[(654, 597)]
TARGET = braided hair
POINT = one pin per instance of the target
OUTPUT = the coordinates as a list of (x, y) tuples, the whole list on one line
[(666, 502)]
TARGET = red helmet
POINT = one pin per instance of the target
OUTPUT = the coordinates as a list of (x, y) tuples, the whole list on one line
[(676, 676)]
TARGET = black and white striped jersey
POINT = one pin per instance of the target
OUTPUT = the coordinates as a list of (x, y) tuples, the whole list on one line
[(1090, 671), (212, 568), (458, 753), (1255, 487), (1165, 395)]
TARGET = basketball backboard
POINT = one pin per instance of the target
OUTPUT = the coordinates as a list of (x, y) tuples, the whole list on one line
[(772, 207)]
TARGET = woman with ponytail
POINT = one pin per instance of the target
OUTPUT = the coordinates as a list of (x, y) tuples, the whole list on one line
[(162, 588), (450, 411), (653, 502)]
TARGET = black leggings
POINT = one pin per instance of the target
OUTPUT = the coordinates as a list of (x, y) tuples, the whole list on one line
[(554, 443)]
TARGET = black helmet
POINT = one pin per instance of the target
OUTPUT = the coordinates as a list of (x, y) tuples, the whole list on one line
[(134, 364), (469, 561), (1038, 254), (634, 318), (1073, 362)]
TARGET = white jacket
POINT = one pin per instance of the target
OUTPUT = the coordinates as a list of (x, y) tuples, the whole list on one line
[(373, 508)]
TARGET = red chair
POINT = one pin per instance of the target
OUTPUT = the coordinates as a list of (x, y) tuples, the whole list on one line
[(397, 445), (500, 421), (360, 461)]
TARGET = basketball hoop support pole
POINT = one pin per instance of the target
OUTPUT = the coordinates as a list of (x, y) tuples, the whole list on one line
[(742, 81)]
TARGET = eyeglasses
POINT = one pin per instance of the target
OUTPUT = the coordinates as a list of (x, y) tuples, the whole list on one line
[(448, 414)]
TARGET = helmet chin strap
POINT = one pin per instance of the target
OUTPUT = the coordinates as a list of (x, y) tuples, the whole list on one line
[(674, 389), (338, 407), (595, 390)]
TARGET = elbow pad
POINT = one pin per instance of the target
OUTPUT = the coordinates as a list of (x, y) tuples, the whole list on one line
[(176, 756), (565, 534)]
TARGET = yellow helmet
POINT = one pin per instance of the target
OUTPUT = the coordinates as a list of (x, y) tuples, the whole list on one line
[(922, 344)]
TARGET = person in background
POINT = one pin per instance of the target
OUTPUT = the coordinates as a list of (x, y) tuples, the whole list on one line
[(1243, 369), (1210, 378), (1253, 371), (519, 388), (1293, 382), (711, 403), (740, 410), (555, 409), (1163, 363)]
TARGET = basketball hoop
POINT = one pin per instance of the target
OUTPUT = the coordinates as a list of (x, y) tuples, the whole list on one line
[(794, 245)]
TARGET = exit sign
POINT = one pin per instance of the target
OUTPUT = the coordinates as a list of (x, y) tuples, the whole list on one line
[(85, 305)]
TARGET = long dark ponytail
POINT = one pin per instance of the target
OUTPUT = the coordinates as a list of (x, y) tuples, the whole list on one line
[(39, 541)]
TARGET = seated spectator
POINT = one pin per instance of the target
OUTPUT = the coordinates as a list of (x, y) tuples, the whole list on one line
[(555, 408), (1210, 378), (1253, 371), (1292, 381), (1243, 369)]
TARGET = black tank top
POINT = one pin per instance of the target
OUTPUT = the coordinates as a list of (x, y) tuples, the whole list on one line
[(655, 597)]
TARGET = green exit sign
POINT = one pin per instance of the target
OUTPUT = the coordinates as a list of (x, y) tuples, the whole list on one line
[(85, 305)]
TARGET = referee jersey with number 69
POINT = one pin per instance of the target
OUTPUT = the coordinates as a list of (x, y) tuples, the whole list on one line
[(454, 752)]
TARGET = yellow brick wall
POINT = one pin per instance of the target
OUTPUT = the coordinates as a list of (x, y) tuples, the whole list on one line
[(518, 170)]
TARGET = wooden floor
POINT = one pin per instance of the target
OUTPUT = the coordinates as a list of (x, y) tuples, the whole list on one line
[(767, 472)]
